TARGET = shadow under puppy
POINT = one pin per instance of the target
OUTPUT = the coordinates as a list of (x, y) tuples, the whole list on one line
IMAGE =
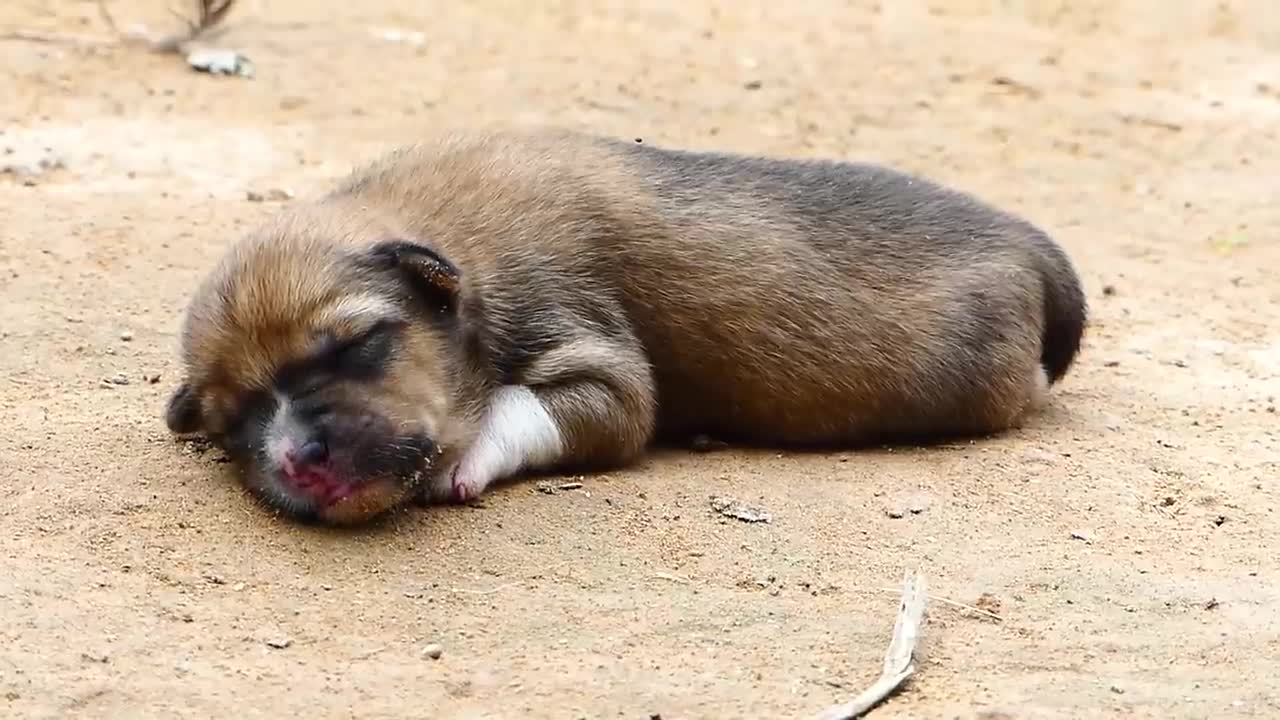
[(465, 310)]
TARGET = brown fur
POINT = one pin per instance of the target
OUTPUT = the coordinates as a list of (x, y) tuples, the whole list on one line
[(645, 293)]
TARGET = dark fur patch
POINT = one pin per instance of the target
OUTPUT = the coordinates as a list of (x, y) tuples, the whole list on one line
[(241, 436), (1065, 309), (435, 280), (182, 414), (359, 359)]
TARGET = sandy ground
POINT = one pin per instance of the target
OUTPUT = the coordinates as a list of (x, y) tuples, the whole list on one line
[(1127, 538)]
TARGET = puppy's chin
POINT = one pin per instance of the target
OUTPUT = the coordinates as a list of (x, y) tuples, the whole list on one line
[(365, 503), (341, 502)]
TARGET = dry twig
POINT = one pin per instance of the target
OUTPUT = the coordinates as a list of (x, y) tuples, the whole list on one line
[(899, 660), (209, 14), (955, 604)]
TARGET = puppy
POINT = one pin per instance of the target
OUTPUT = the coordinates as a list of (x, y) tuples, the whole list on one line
[(485, 305)]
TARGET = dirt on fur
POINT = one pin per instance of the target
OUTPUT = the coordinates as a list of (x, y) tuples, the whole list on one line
[(1127, 538)]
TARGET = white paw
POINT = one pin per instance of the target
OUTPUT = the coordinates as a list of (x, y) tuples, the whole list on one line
[(516, 434), (467, 481)]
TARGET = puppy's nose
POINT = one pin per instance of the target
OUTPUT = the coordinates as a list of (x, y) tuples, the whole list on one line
[(313, 452)]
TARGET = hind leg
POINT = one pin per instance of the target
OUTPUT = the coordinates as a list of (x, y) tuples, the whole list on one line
[(1018, 399)]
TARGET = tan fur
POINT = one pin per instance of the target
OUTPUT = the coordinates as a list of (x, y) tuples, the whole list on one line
[(642, 297)]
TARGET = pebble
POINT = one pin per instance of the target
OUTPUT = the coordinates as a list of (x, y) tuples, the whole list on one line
[(433, 651), (220, 62), (914, 504), (279, 643), (1042, 457), (1117, 689), (731, 508), (706, 443), (126, 336), (272, 195), (117, 379)]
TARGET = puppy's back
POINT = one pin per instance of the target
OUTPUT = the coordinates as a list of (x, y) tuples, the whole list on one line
[(868, 214)]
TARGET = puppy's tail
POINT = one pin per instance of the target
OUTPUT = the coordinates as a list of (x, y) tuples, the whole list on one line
[(1065, 308)]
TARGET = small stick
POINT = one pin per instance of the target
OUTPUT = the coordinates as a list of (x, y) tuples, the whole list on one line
[(505, 586), (956, 604), (670, 577), (899, 660), (370, 653), (209, 14)]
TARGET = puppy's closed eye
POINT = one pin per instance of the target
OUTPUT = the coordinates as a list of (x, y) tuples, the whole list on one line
[(362, 357), (366, 354)]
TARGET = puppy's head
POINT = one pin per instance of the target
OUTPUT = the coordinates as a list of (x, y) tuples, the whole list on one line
[(322, 356)]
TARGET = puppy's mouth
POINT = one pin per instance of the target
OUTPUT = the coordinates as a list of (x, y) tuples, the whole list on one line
[(349, 487), (319, 484)]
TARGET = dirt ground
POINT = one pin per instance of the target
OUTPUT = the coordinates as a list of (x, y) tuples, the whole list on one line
[(1127, 538)]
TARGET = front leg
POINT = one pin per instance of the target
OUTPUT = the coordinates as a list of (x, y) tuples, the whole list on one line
[(586, 404)]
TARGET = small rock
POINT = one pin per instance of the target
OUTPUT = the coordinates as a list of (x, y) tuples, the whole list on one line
[(1213, 603), (238, 586), (415, 38), (705, 443), (988, 602), (569, 486), (326, 587), (1108, 290), (433, 651), (1219, 521), (118, 379), (1038, 456), (1117, 689), (895, 513), (29, 168), (739, 511), (279, 643), (272, 195), (220, 62), (126, 336), (153, 378), (753, 85), (94, 657), (1082, 537)]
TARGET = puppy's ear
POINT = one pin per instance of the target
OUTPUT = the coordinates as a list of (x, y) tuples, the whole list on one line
[(183, 413), (432, 277)]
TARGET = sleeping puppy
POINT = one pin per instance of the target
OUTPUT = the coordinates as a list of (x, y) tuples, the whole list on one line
[(486, 305)]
